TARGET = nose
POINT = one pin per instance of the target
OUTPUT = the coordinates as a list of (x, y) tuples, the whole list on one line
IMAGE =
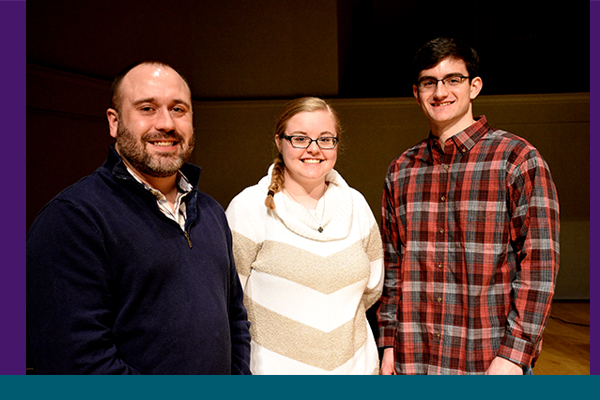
[(164, 121), (313, 147), (440, 89)]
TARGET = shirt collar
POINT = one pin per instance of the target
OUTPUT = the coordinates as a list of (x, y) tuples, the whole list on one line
[(466, 139), (183, 185)]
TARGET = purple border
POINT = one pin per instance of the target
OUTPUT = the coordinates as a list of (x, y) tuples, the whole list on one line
[(12, 104), (12, 284), (594, 187)]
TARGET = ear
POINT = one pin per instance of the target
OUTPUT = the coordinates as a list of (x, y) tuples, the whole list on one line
[(416, 94), (113, 121), (476, 86), (278, 143)]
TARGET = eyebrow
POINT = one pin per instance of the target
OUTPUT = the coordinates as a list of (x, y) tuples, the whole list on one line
[(306, 134), (152, 100), (445, 76)]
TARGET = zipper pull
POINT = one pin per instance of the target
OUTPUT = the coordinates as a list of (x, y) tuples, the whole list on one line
[(188, 238)]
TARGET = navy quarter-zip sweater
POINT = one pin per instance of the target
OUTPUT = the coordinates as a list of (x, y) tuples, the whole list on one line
[(116, 287)]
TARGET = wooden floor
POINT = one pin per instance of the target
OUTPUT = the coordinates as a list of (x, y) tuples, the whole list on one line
[(566, 348)]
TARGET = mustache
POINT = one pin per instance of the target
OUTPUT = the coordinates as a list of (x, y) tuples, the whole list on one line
[(154, 136)]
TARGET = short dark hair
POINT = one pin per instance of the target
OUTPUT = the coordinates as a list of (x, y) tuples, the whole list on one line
[(440, 48), (116, 84)]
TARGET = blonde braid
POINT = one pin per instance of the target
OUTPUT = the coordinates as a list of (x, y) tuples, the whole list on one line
[(277, 182)]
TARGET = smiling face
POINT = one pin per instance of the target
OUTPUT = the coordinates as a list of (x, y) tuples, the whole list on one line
[(154, 126), (308, 167), (448, 109)]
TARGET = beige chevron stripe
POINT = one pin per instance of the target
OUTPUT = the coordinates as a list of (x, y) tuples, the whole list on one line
[(370, 297), (373, 245), (323, 274), (244, 252), (303, 343)]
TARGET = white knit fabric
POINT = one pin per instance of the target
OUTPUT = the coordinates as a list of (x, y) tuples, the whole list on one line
[(307, 292)]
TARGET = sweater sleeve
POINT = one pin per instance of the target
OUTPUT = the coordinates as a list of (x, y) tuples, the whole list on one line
[(238, 322), (70, 310), (246, 243)]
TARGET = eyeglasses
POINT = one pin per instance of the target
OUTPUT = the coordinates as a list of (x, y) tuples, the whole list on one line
[(302, 142), (429, 84)]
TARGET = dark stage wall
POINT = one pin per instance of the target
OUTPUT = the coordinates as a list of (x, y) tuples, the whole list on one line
[(243, 59)]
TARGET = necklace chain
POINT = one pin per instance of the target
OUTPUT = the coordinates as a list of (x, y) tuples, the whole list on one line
[(320, 223)]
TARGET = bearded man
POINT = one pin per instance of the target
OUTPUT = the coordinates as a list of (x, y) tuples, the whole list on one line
[(130, 270)]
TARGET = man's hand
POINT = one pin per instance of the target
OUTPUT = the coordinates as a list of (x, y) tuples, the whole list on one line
[(502, 366), (388, 366)]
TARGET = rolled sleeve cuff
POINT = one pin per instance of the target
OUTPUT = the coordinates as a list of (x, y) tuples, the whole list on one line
[(517, 350), (387, 338)]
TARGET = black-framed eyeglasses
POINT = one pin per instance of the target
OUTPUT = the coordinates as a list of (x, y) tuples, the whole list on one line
[(302, 142), (426, 84)]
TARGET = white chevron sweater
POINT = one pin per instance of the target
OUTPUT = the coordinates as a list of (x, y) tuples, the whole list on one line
[(307, 292)]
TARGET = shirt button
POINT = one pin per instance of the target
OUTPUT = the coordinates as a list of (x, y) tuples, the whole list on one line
[(443, 198), (438, 335), (445, 166), (439, 299), (442, 230), (464, 150), (440, 265)]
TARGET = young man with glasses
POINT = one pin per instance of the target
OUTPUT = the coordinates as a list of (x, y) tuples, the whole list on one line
[(470, 232)]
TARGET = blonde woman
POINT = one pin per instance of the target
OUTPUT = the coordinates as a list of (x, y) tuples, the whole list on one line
[(309, 255)]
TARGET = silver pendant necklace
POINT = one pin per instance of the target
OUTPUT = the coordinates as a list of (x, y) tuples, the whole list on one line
[(320, 223)]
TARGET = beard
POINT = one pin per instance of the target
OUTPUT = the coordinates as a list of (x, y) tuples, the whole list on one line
[(133, 149)]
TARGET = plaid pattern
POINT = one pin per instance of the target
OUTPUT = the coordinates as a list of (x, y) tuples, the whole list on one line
[(471, 253)]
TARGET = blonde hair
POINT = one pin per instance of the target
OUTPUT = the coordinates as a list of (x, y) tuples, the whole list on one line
[(303, 104)]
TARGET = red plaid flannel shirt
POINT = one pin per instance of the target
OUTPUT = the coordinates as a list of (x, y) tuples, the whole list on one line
[(471, 253)]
